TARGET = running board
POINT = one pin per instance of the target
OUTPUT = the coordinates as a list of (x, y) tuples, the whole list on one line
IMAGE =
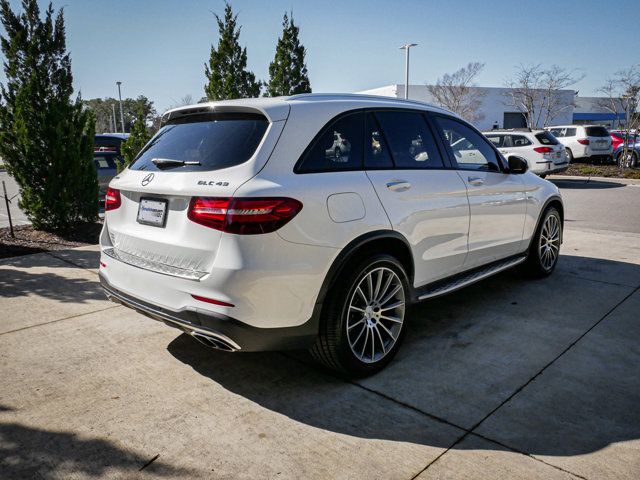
[(459, 281)]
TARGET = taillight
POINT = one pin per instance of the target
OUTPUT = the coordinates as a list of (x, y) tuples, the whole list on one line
[(583, 141), (112, 199), (243, 216), (543, 149)]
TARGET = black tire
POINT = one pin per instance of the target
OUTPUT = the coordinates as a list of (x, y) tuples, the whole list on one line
[(332, 347), (537, 265), (570, 154)]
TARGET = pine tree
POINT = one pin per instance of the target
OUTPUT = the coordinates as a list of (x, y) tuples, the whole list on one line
[(137, 139), (288, 71), (226, 72), (46, 138)]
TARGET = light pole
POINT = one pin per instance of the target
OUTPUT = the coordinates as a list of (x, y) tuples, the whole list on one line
[(121, 112), (113, 118), (406, 48)]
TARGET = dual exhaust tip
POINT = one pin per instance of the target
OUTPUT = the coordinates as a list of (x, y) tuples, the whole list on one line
[(212, 341)]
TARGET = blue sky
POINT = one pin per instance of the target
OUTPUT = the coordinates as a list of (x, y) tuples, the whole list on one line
[(158, 48)]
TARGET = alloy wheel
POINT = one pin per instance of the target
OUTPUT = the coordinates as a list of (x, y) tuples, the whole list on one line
[(549, 244), (375, 315)]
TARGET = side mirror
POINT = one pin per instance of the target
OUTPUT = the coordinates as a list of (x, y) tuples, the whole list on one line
[(517, 164)]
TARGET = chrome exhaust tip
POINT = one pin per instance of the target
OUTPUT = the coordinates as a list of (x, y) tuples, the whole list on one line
[(213, 341)]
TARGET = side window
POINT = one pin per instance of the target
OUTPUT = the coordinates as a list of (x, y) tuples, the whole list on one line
[(376, 150), (470, 150), (570, 132), (338, 147), (520, 141), (497, 140), (558, 132), (410, 140)]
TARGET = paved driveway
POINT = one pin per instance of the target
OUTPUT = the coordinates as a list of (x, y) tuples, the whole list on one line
[(506, 379)]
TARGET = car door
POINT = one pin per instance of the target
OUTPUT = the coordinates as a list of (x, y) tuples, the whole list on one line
[(497, 200), (424, 198)]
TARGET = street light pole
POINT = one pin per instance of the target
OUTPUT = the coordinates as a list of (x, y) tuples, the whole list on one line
[(113, 121), (121, 111), (406, 48)]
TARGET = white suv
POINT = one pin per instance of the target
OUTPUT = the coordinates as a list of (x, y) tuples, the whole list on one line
[(544, 154), (239, 225), (591, 142)]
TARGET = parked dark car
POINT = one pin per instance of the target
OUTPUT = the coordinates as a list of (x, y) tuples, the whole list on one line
[(106, 166), (632, 153), (109, 142)]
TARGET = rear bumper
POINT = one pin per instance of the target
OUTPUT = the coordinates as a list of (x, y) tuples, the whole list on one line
[(218, 330)]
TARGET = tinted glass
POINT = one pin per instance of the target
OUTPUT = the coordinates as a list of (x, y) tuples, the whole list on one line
[(546, 138), (570, 132), (376, 150), (497, 140), (338, 147), (597, 132), (520, 141), (469, 148), (410, 140), (214, 140), (558, 132)]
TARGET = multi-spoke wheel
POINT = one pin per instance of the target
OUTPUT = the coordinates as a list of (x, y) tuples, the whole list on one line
[(375, 315), (545, 246), (549, 242), (363, 320)]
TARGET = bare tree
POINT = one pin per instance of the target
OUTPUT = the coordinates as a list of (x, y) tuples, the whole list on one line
[(535, 92), (611, 100), (186, 100), (623, 90), (555, 79), (456, 92)]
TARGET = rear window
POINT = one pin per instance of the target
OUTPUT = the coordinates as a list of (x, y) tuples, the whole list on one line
[(596, 132), (209, 141), (546, 138)]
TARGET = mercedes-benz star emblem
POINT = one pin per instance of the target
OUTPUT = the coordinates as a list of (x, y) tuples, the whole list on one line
[(147, 180)]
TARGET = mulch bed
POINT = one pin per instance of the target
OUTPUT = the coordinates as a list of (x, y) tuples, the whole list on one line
[(611, 171), (28, 240)]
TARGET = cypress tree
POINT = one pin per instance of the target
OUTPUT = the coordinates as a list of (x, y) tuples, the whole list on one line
[(137, 139), (46, 137), (227, 72), (288, 71)]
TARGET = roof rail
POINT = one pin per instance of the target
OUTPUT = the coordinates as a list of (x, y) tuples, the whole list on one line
[(324, 96)]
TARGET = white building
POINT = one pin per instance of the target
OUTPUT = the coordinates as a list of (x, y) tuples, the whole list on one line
[(495, 110)]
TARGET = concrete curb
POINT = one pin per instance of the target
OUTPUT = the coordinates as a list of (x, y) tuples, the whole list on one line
[(578, 178)]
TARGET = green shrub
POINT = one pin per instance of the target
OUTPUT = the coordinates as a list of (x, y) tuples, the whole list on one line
[(46, 137)]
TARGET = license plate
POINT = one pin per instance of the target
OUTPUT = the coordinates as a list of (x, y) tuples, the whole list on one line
[(152, 212)]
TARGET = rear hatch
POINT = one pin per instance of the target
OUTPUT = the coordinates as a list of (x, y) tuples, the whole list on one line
[(552, 148), (195, 154), (599, 138)]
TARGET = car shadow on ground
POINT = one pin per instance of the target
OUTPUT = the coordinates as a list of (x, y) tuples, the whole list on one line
[(586, 184), (465, 355), (19, 277), (60, 454)]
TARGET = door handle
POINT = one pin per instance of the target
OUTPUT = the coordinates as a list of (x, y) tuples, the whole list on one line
[(398, 185), (476, 181)]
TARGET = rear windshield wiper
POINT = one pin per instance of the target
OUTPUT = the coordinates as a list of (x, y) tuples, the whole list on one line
[(170, 162)]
